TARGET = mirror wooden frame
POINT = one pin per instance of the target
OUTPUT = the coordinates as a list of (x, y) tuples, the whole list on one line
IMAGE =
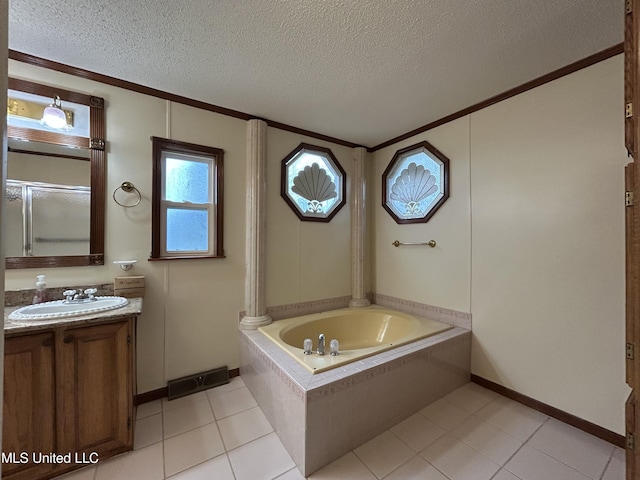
[(97, 157)]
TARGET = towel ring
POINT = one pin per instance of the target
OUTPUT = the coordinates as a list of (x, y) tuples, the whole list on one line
[(127, 187)]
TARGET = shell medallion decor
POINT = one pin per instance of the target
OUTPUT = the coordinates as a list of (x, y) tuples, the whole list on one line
[(414, 184), (315, 185), (312, 183)]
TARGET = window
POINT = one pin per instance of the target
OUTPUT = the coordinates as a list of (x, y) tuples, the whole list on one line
[(415, 184), (313, 183), (187, 200)]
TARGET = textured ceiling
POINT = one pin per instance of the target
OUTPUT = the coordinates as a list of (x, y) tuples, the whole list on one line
[(359, 70)]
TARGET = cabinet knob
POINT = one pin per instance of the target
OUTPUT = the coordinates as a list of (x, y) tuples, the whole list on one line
[(68, 339)]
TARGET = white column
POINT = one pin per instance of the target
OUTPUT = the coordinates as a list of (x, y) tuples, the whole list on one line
[(358, 228), (256, 186)]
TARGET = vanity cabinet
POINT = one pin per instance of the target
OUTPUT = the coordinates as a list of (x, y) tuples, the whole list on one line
[(68, 391), (29, 415)]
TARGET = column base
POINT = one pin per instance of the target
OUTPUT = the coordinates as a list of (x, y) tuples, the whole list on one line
[(252, 323), (359, 302)]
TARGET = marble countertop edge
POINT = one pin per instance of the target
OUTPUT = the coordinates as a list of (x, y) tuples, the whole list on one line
[(11, 327)]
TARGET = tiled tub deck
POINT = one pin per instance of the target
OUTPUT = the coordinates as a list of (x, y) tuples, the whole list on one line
[(321, 417)]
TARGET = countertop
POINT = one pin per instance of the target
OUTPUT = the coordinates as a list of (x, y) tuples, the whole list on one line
[(19, 326)]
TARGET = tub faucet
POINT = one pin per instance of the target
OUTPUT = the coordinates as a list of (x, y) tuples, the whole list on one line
[(320, 350)]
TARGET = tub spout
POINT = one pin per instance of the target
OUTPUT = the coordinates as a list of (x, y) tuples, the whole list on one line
[(320, 350)]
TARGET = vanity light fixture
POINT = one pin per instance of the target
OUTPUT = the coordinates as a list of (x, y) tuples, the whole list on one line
[(54, 117)]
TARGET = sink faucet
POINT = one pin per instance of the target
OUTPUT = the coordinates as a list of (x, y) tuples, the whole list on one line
[(80, 295), (320, 350)]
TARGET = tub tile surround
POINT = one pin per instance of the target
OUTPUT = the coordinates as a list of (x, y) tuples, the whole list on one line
[(280, 312), (459, 319), (453, 317), (321, 417)]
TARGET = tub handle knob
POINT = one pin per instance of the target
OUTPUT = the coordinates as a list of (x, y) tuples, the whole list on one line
[(334, 346), (307, 346)]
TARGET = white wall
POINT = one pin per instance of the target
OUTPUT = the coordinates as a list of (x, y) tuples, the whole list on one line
[(547, 183), (439, 276), (304, 260), (531, 241), (190, 312)]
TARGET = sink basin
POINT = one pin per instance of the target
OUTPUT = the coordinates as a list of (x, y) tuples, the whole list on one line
[(62, 309)]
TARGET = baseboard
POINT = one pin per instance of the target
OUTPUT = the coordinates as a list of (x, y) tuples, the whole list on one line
[(164, 391), (584, 425)]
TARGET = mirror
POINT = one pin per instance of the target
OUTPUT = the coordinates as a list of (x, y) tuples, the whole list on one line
[(55, 191)]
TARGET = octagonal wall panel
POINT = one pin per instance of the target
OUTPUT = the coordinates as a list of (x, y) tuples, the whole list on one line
[(415, 184), (313, 183)]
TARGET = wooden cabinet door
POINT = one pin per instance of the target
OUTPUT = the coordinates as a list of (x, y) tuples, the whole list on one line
[(95, 400), (28, 423)]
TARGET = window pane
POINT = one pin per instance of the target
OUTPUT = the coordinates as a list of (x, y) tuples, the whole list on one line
[(187, 230), (186, 181), (415, 185), (314, 184)]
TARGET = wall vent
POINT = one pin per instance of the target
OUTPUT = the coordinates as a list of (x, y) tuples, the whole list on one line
[(198, 382)]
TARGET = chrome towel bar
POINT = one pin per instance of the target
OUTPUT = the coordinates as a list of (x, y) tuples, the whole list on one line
[(431, 243)]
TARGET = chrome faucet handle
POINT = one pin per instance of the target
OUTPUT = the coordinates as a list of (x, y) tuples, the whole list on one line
[(90, 292), (69, 294)]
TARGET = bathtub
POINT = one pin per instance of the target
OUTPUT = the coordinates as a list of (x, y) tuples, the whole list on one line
[(361, 332)]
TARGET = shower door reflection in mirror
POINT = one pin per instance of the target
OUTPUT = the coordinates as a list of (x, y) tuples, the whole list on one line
[(46, 219)]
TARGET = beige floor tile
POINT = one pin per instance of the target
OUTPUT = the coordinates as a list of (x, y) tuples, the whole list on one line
[(512, 417), (417, 431), (384, 453), (293, 474), (471, 397), (243, 427), (495, 444), (143, 464), (416, 469), (182, 401), (217, 468), (264, 458), (234, 383), (148, 431), (581, 451), (505, 475), (532, 464), (347, 467), (445, 414), (147, 409), (232, 402), (192, 448), (458, 461), (86, 473), (616, 468), (187, 417)]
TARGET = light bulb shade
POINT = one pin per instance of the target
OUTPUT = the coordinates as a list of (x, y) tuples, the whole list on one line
[(54, 117)]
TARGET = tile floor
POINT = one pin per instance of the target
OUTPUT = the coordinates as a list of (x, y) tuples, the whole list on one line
[(471, 434)]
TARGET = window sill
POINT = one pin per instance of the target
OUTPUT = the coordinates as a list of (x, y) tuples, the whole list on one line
[(186, 257)]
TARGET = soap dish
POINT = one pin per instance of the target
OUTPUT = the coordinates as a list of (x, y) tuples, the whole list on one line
[(125, 264)]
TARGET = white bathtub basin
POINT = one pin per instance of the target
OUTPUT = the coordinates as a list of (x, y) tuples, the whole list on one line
[(62, 309)]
